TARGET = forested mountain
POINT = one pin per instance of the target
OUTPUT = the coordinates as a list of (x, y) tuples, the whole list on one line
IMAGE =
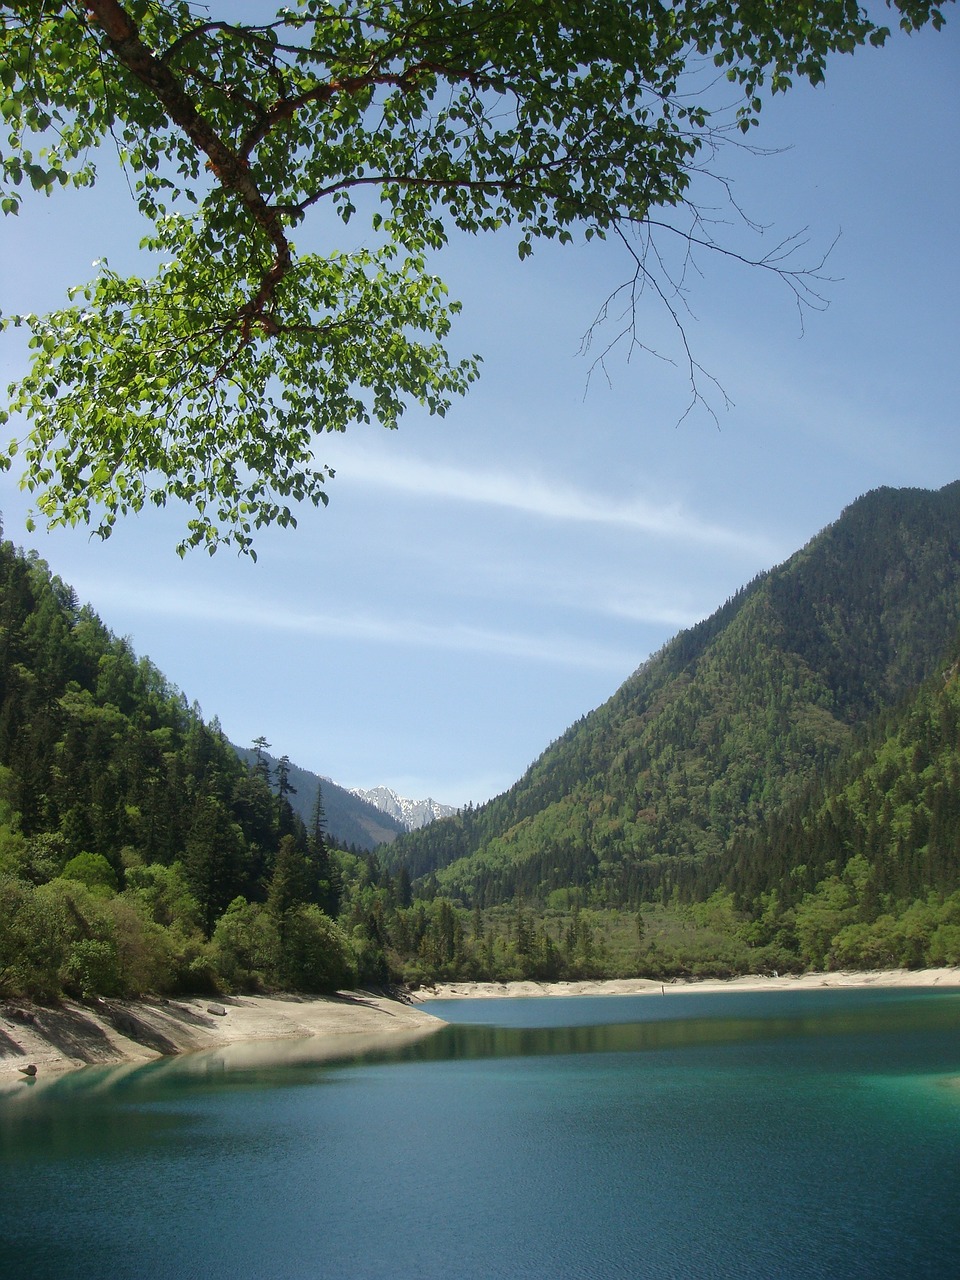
[(727, 728), (863, 869), (351, 820), (778, 788), (137, 851)]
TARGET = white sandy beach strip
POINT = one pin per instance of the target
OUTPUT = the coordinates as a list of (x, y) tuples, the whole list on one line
[(253, 1030), (103, 1032), (650, 986)]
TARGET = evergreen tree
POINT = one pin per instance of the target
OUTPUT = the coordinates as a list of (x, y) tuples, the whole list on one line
[(213, 860)]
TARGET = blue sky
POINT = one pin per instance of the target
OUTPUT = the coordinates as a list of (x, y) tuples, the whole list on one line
[(479, 582)]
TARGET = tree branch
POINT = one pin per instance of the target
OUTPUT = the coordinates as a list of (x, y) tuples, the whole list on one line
[(230, 169)]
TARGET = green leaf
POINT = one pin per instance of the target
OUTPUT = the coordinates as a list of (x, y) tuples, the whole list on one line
[(210, 378)]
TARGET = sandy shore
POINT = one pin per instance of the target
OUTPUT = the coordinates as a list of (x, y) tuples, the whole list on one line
[(247, 1028), (259, 1030), (643, 986)]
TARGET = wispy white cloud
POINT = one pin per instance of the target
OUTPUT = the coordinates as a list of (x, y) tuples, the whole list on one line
[(649, 611), (610, 593), (632, 585), (548, 500), (206, 609)]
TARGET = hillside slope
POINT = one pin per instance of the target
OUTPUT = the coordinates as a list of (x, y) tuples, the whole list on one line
[(349, 818), (728, 723)]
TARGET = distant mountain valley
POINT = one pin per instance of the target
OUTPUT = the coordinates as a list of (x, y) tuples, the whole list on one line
[(778, 788), (364, 819), (411, 814)]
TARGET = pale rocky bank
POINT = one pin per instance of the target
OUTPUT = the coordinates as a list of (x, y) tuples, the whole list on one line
[(256, 1030), (104, 1032), (948, 977)]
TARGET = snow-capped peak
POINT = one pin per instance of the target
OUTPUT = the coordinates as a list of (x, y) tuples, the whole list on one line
[(410, 813)]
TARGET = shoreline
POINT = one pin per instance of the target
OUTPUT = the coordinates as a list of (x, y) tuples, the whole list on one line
[(947, 978), (251, 1029), (256, 1030)]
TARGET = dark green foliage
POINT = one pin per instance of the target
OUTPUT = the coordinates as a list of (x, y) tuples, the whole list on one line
[(778, 788), (315, 954), (863, 869), (354, 821), (213, 859), (727, 726), (128, 826)]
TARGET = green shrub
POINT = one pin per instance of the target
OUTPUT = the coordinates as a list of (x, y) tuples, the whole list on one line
[(315, 954), (92, 870), (92, 968), (245, 946)]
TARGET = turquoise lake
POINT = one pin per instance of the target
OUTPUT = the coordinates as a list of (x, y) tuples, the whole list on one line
[(770, 1135)]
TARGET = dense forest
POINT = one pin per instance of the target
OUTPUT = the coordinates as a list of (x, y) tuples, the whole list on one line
[(710, 771), (778, 788), (354, 821), (137, 851)]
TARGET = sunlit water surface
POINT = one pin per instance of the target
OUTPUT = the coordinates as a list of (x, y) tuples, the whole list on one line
[(800, 1134)]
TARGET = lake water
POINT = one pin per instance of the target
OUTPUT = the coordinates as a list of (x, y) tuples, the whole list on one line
[(769, 1135)]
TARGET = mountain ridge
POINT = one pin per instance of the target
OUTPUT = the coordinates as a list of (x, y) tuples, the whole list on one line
[(350, 819), (353, 816), (411, 814), (727, 722)]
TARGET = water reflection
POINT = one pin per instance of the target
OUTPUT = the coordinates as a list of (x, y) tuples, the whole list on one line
[(525, 1152), (548, 1027)]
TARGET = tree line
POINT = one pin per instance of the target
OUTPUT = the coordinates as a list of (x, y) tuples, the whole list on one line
[(139, 853), (717, 767)]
